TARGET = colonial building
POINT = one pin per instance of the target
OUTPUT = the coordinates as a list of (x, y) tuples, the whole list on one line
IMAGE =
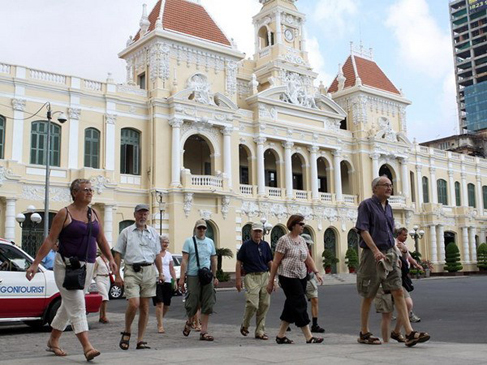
[(198, 131)]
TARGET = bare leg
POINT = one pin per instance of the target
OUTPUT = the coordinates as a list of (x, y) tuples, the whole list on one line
[(54, 338), (132, 306), (85, 342), (283, 329), (402, 314), (159, 315), (205, 318), (314, 307), (143, 318), (103, 309), (385, 326), (306, 332), (364, 314)]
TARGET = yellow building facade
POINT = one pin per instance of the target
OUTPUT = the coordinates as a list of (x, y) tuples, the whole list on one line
[(199, 131)]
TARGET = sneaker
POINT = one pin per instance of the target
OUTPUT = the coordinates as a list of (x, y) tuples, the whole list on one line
[(413, 318), (317, 329)]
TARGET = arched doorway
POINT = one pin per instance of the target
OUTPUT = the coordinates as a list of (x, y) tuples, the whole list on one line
[(353, 239), (197, 156), (211, 232), (276, 233), (330, 239), (345, 171), (307, 230), (449, 237), (270, 169), (297, 162), (323, 169), (385, 170), (246, 232), (244, 165)]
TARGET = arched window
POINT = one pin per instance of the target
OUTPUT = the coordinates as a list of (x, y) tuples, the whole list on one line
[(270, 169), (130, 152), (458, 197), (413, 187), (484, 196), (38, 142), (2, 137), (124, 224), (276, 233), (471, 195), (92, 148), (426, 192), (442, 192), (197, 155), (244, 165), (330, 239), (246, 232)]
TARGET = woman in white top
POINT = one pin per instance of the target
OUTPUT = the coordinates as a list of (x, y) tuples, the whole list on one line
[(101, 274), (165, 289)]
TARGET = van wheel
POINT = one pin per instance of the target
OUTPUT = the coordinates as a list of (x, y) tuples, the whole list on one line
[(52, 311), (115, 292)]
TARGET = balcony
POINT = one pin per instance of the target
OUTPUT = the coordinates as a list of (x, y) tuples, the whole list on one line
[(274, 192), (300, 194), (350, 199), (202, 182), (247, 190), (397, 200), (326, 197)]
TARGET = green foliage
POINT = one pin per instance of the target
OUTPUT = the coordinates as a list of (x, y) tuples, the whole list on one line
[(222, 276), (329, 258), (416, 255), (482, 256), (453, 258), (351, 258), (220, 254)]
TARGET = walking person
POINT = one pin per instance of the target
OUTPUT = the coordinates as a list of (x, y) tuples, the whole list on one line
[(312, 290), (291, 260), (79, 230), (139, 245), (200, 295), (165, 289), (101, 274), (379, 262), (255, 256)]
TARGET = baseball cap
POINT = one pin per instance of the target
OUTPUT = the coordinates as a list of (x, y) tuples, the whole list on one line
[(200, 223), (257, 226), (141, 207)]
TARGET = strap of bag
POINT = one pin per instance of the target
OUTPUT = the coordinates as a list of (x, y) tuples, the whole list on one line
[(196, 250), (89, 232)]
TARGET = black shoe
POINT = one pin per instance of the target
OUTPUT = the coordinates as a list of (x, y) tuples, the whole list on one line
[(317, 329), (288, 329)]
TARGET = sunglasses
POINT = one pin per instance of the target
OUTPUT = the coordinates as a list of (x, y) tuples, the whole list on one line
[(302, 224), (203, 228)]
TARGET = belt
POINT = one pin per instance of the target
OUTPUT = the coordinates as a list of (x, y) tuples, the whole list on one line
[(141, 264), (102, 274), (257, 273)]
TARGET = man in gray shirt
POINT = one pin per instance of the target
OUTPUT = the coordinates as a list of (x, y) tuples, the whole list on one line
[(379, 261), (139, 245)]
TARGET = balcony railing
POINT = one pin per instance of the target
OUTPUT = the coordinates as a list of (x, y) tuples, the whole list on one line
[(301, 195), (205, 180), (397, 199), (326, 197), (350, 199), (246, 189), (274, 192)]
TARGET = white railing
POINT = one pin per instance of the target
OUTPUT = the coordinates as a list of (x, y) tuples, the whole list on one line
[(301, 195), (440, 153), (48, 76), (469, 158), (246, 189), (265, 52), (424, 149), (92, 85), (204, 180), (274, 192), (397, 199), (349, 198), (129, 89), (326, 197), (5, 69)]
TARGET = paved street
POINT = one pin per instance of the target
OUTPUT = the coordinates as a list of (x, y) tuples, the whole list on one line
[(452, 309)]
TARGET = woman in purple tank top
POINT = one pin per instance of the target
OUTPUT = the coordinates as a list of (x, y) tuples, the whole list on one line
[(71, 227)]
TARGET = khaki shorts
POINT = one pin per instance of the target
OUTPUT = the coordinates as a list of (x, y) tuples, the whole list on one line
[(199, 296), (406, 293), (368, 280), (312, 287), (140, 284), (384, 303)]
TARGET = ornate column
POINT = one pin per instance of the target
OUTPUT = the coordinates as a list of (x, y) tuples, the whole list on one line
[(433, 250), (278, 27), (227, 154), (464, 188), (110, 120), (314, 173), (466, 251), (73, 126), (10, 219), (288, 168), (473, 247), (375, 164), (338, 176), (482, 235), (479, 196), (108, 224), (452, 199), (260, 165), (419, 182), (404, 177), (18, 105), (434, 186), (441, 244), (176, 151)]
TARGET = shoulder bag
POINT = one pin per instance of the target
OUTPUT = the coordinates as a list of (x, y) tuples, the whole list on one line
[(204, 274)]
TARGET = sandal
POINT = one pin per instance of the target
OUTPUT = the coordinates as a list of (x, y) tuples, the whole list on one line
[(104, 320), (368, 339), (206, 337), (244, 330), (397, 336), (124, 341), (55, 350), (283, 340), (91, 354), (315, 340), (142, 345), (416, 337), (187, 329), (262, 337)]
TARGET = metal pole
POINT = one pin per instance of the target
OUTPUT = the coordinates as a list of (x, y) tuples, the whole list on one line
[(160, 222), (46, 195)]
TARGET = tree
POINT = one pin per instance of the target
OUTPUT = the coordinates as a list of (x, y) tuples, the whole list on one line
[(220, 254), (351, 258), (453, 258), (482, 256)]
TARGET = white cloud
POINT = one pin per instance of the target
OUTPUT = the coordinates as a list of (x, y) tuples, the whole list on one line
[(335, 17), (423, 45), (317, 61)]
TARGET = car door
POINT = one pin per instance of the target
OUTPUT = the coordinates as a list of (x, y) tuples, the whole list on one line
[(19, 297)]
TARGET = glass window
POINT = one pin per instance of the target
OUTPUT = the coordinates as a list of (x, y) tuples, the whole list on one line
[(2, 137), (442, 192), (471, 195), (484, 196), (130, 152), (38, 144), (426, 192), (12, 259), (458, 197), (92, 148)]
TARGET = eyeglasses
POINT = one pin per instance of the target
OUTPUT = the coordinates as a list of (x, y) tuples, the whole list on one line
[(386, 185), (203, 228), (302, 224), (87, 190)]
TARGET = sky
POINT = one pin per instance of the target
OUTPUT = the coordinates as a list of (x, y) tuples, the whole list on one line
[(410, 39)]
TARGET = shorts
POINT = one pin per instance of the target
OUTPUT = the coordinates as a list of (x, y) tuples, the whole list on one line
[(368, 280), (406, 293), (312, 287), (163, 294), (140, 284), (384, 303), (198, 296)]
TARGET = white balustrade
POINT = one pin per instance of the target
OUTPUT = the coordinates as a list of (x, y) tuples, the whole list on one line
[(246, 189), (4, 68), (274, 192), (301, 195), (205, 180), (326, 197), (92, 85), (397, 199), (350, 199), (48, 76)]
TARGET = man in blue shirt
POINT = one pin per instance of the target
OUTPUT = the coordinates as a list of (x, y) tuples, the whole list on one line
[(48, 261), (255, 256), (198, 296)]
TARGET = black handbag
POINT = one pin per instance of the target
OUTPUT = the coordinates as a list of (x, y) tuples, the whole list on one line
[(75, 276), (204, 274), (407, 283)]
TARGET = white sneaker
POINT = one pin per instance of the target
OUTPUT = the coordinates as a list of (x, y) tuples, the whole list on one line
[(413, 318)]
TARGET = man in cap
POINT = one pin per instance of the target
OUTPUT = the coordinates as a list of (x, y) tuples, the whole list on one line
[(200, 295), (312, 289), (139, 245), (255, 256)]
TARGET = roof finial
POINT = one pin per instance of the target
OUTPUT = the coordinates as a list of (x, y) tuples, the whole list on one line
[(341, 78), (159, 23), (144, 20)]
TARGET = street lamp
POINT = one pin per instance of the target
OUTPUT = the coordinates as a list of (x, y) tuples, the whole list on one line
[(266, 226), (162, 209), (35, 219), (416, 236)]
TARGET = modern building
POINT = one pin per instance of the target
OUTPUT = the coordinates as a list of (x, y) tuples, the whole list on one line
[(198, 131)]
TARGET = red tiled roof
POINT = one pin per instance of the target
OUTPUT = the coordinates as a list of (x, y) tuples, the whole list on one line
[(186, 17), (368, 71)]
